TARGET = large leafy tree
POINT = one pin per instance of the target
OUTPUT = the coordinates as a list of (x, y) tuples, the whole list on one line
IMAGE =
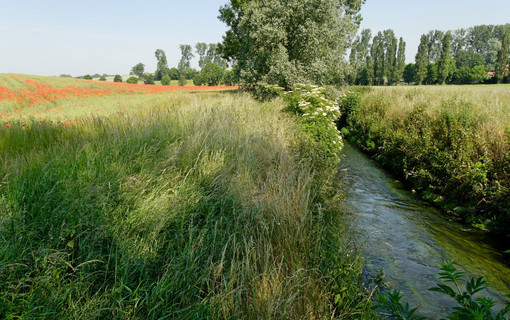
[(401, 60), (201, 49), (284, 42)]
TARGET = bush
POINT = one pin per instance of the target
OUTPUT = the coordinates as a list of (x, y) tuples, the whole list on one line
[(198, 80), (211, 74), (87, 77), (117, 78), (133, 80), (182, 80), (148, 78), (228, 78), (102, 78), (165, 80)]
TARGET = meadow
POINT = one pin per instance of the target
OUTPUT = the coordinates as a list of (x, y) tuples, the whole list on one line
[(450, 143), (132, 202)]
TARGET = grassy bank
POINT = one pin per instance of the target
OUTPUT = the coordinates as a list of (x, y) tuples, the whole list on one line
[(189, 206), (451, 143)]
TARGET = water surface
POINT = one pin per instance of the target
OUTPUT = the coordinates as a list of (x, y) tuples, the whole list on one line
[(407, 237)]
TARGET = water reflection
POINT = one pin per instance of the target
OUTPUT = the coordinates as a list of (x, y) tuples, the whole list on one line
[(407, 237)]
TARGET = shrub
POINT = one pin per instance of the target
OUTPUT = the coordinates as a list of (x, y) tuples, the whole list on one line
[(165, 80), (132, 80), (211, 74), (117, 78), (102, 78), (182, 80), (198, 79), (87, 77), (148, 78)]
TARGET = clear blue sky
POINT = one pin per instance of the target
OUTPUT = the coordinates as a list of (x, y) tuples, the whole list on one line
[(105, 36)]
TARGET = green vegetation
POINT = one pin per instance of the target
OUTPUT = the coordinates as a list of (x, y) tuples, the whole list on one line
[(132, 80), (450, 143), (165, 80), (183, 208), (117, 78), (138, 70), (469, 307), (307, 44), (211, 75)]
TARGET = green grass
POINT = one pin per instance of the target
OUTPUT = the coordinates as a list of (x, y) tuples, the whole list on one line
[(190, 206), (452, 143)]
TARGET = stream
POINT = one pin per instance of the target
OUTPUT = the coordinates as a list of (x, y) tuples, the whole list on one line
[(407, 237)]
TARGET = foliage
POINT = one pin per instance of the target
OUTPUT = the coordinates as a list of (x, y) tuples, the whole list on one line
[(228, 78), (410, 73), (210, 75), (165, 80), (186, 56), (182, 80), (162, 66), (443, 62), (138, 70), (466, 75), (148, 78), (174, 73), (422, 60), (469, 308), (87, 77), (117, 78), (306, 45), (132, 80), (503, 58), (102, 78), (451, 145), (201, 49)]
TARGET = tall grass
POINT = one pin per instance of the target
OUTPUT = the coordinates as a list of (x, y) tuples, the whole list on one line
[(201, 206), (452, 143)]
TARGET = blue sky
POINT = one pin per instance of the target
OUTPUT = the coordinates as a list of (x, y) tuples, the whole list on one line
[(53, 37)]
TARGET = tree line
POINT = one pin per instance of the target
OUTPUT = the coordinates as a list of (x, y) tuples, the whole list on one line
[(479, 54), (213, 67)]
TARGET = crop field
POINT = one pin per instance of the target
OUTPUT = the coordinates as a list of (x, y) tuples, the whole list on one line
[(35, 98)]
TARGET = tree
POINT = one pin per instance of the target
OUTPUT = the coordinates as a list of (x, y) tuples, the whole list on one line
[(165, 80), (379, 64), (182, 80), (434, 45), (148, 78), (285, 42), (431, 77), (401, 60), (162, 66), (174, 74), (201, 49), (138, 70), (133, 80), (409, 73), (421, 60), (228, 78), (186, 56), (391, 62), (102, 78), (443, 62), (117, 78), (87, 77), (212, 74), (502, 60)]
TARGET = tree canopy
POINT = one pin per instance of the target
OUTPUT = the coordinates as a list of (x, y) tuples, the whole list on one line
[(286, 42)]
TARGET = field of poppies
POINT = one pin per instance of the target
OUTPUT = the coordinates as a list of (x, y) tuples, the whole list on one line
[(25, 98)]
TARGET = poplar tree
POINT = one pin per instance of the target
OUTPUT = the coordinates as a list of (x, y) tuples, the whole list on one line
[(502, 60), (379, 63), (391, 61), (401, 60), (162, 66), (186, 56), (422, 60), (443, 62), (201, 49)]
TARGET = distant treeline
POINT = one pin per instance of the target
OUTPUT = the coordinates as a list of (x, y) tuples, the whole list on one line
[(479, 54)]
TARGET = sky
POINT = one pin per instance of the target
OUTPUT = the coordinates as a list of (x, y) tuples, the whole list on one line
[(54, 37)]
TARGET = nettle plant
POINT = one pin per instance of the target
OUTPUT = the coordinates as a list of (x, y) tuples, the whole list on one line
[(318, 114)]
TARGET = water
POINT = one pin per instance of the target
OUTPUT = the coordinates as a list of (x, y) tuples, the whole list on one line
[(407, 237)]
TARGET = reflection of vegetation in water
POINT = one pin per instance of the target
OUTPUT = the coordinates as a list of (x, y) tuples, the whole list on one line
[(469, 306)]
